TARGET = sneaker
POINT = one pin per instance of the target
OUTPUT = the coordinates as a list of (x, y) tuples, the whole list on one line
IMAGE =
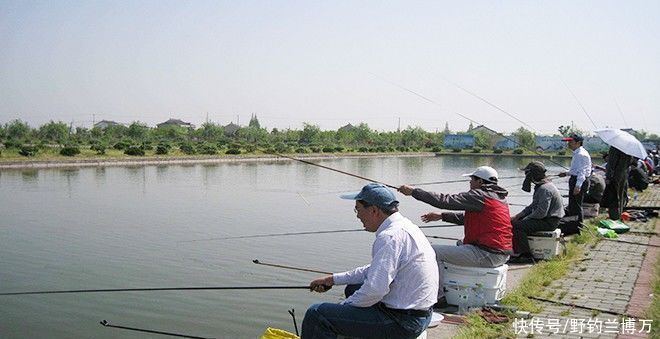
[(442, 303)]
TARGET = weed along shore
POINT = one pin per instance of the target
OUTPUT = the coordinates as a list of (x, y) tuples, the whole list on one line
[(598, 288), (124, 160)]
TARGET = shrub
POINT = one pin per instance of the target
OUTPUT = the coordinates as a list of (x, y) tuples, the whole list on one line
[(187, 148), (436, 149), (363, 149), (456, 150), (476, 150), (497, 151), (269, 150), (301, 150), (316, 149), (99, 148), (28, 151), (70, 151), (208, 149), (134, 151), (518, 151), (250, 148), (122, 145), (381, 149), (562, 152), (339, 149), (402, 149), (233, 151), (147, 146), (328, 149), (282, 148), (162, 149), (12, 144)]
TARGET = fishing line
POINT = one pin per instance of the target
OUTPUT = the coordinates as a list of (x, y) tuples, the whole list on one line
[(487, 102), (474, 121), (579, 103), (149, 289)]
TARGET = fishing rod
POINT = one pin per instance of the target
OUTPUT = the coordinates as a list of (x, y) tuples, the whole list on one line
[(471, 120), (466, 180), (439, 237), (256, 261), (579, 306), (300, 233), (105, 323), (487, 102), (579, 103), (149, 289), (461, 180), (332, 169)]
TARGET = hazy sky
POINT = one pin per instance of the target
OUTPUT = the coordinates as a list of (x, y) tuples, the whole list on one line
[(332, 62)]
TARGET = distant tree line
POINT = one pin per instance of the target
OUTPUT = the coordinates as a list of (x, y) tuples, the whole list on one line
[(140, 139)]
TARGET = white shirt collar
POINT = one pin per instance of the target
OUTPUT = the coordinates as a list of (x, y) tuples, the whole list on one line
[(387, 222)]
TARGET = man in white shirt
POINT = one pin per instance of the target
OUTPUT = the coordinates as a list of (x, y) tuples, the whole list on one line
[(395, 292), (580, 171)]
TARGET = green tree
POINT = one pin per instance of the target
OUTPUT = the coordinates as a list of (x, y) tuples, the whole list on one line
[(137, 131), (254, 122), (211, 132), (17, 129), (526, 138), (57, 132), (310, 134), (482, 139)]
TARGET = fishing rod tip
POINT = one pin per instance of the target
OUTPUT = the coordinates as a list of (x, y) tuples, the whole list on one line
[(256, 261), (104, 322)]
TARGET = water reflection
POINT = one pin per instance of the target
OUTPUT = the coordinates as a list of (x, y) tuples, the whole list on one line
[(30, 176)]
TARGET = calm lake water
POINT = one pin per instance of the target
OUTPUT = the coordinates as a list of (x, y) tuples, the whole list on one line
[(128, 227)]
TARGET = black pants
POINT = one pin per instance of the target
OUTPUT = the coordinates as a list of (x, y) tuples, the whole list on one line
[(522, 228), (575, 201)]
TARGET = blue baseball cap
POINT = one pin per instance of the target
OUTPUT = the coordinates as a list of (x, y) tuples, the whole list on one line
[(374, 194)]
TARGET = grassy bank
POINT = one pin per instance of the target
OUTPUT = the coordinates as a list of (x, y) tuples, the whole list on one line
[(536, 283)]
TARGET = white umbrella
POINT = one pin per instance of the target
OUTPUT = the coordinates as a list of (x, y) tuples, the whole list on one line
[(623, 141)]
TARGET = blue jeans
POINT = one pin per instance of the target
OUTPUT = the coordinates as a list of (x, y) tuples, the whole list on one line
[(328, 320)]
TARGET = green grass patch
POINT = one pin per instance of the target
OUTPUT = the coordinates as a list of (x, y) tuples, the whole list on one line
[(538, 282), (477, 327)]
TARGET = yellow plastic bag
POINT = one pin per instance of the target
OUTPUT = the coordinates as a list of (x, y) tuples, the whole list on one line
[(276, 333)]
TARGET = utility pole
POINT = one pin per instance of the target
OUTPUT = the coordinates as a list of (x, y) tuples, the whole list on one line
[(238, 121), (398, 129), (93, 120)]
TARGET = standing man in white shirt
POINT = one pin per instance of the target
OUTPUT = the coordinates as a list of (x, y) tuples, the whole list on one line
[(580, 171), (395, 292)]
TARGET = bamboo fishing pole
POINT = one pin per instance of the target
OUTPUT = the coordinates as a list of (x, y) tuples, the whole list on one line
[(332, 169), (256, 261), (149, 289), (105, 323)]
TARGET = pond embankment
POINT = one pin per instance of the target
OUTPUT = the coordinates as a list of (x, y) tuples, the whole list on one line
[(210, 159)]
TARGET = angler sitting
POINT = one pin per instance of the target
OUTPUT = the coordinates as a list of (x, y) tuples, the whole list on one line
[(398, 287), (543, 214), (486, 220)]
